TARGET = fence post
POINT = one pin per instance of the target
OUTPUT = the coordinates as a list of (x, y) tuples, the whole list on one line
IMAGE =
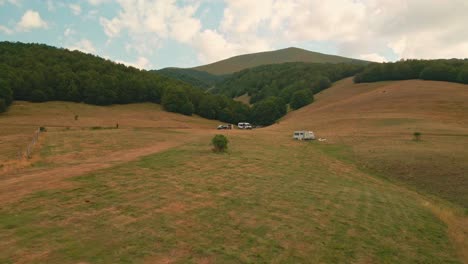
[(30, 146)]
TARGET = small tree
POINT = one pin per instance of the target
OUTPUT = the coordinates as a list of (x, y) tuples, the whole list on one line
[(220, 143), (417, 136)]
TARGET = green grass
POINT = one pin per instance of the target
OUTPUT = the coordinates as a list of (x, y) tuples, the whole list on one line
[(263, 202), (434, 165)]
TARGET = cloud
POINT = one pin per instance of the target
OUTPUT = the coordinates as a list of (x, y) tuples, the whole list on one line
[(68, 32), (149, 23), (97, 2), (372, 57), (75, 8), (84, 45), (140, 63), (6, 30), (213, 46), (409, 29), (31, 20), (14, 2)]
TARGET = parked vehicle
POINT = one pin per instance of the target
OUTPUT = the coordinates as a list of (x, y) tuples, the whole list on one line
[(228, 126), (304, 135), (244, 125)]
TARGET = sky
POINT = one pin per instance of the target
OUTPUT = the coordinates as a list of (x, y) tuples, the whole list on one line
[(153, 34)]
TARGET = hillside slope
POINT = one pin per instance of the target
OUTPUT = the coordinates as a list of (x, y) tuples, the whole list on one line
[(199, 79), (241, 62), (140, 192), (373, 124)]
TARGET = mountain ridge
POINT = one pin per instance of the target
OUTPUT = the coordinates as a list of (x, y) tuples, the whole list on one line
[(291, 54)]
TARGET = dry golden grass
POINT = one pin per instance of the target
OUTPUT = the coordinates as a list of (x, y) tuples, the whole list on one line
[(152, 190), (372, 125), (243, 99), (72, 147)]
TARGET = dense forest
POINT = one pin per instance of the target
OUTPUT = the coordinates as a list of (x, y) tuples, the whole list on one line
[(39, 73), (198, 79), (453, 70), (283, 80)]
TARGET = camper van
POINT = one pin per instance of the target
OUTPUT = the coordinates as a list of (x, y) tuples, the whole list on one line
[(244, 125), (304, 135)]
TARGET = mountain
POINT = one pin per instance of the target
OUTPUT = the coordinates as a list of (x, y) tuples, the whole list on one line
[(292, 54), (199, 79)]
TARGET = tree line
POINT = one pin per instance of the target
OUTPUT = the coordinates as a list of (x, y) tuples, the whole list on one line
[(40, 73), (453, 70), (283, 80)]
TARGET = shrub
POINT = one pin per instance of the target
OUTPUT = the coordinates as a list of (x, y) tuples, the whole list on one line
[(417, 136), (220, 143)]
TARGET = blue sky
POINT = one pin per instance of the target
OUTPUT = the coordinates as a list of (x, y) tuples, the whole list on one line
[(153, 34)]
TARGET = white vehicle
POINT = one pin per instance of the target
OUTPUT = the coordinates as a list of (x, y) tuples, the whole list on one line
[(244, 125), (304, 135)]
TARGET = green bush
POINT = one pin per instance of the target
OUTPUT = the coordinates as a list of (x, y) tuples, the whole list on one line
[(220, 143), (417, 136)]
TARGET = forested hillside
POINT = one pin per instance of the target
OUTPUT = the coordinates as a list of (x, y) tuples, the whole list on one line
[(292, 54), (40, 73), (453, 70), (199, 79), (284, 80)]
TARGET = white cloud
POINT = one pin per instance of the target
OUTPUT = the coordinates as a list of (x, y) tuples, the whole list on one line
[(373, 57), (84, 45), (212, 46), (140, 63), (68, 32), (14, 2), (75, 8), (148, 23), (5, 30), (97, 2), (30, 20)]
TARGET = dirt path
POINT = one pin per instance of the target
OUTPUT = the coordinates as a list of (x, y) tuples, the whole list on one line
[(13, 188)]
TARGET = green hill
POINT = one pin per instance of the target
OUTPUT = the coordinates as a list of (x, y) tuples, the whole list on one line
[(241, 62), (40, 73)]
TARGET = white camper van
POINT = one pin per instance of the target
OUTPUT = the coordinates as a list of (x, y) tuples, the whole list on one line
[(244, 125), (304, 135)]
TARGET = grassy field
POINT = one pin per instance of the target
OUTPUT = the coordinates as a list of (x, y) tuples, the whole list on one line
[(264, 202), (373, 125), (152, 191)]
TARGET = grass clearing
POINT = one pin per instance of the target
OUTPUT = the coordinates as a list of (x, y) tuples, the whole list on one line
[(261, 202)]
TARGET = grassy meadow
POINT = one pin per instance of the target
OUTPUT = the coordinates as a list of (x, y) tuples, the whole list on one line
[(152, 191), (265, 201)]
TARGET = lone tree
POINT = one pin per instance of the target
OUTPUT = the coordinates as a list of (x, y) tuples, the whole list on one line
[(220, 143), (417, 136)]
